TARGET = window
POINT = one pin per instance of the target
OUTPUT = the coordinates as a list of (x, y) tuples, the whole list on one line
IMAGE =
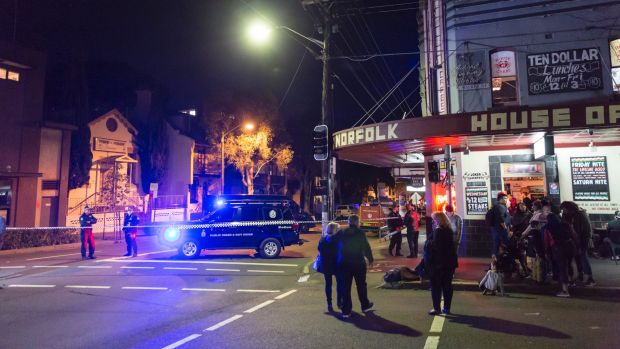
[(614, 51), (504, 77), (12, 75), (245, 214), (2, 73)]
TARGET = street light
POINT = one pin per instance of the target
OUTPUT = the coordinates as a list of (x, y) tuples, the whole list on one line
[(259, 32), (249, 126)]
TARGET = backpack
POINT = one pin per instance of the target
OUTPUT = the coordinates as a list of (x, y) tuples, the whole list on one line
[(392, 275), (489, 217)]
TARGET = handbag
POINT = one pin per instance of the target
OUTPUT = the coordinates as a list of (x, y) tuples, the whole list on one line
[(317, 264)]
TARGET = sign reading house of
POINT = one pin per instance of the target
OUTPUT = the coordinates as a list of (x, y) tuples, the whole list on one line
[(564, 71), (516, 119)]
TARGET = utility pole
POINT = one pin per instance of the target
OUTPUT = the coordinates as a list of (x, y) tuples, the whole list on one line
[(326, 106)]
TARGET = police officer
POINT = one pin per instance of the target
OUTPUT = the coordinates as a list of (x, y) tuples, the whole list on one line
[(129, 223), (86, 233)]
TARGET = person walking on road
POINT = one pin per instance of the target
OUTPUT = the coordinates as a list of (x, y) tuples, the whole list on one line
[(412, 223), (328, 252), (395, 224), (441, 263), (500, 223), (131, 220), (578, 218), (456, 222), (353, 247), (86, 233)]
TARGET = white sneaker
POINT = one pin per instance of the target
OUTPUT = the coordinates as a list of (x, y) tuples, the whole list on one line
[(563, 294)]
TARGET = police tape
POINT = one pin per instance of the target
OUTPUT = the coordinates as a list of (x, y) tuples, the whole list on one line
[(184, 226)]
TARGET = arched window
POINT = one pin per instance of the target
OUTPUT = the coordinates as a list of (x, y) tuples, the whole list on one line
[(614, 51), (505, 87)]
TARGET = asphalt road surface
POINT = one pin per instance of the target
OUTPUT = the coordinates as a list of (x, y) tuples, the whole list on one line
[(233, 299)]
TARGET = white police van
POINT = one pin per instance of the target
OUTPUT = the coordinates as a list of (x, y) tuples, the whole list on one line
[(260, 222)]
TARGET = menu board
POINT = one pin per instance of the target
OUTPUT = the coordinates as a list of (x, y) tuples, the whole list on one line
[(477, 200), (564, 71), (589, 178)]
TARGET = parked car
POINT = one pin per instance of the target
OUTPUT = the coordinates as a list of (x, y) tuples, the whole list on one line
[(271, 226)]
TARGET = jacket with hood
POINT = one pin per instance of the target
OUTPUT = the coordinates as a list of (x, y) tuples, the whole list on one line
[(353, 247)]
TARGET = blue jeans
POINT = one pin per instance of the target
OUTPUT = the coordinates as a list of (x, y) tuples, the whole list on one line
[(500, 236)]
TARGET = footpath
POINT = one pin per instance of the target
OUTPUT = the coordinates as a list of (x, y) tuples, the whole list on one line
[(472, 269)]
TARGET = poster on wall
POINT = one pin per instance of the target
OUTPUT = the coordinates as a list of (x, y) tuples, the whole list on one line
[(471, 68), (589, 178), (564, 71), (477, 200)]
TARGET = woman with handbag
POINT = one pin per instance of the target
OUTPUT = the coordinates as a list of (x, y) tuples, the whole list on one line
[(327, 262)]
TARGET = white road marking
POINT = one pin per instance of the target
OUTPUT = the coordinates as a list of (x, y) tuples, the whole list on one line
[(265, 271), (126, 258), (262, 305), (180, 268), (126, 267), (437, 324), (196, 262), (144, 288), (224, 323), (260, 291), (204, 289), (50, 266), (34, 286), (182, 341), (48, 257), (95, 266), (431, 342), (304, 278), (14, 267), (87, 286), (532, 314), (156, 252), (286, 294), (215, 269)]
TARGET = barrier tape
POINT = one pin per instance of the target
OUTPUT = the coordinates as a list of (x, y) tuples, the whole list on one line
[(200, 225)]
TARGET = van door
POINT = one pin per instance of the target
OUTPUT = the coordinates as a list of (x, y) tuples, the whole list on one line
[(245, 230)]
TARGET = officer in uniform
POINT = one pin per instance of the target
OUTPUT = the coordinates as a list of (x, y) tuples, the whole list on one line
[(86, 233), (129, 223)]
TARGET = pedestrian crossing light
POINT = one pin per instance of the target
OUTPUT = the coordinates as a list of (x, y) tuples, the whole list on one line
[(433, 172), (321, 143)]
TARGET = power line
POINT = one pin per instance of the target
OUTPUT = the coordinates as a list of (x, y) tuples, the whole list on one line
[(350, 93), (292, 80)]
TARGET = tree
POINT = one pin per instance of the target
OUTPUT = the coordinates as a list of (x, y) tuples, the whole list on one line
[(81, 158), (249, 152), (115, 187)]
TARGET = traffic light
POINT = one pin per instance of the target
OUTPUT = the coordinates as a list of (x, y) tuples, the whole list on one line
[(321, 143), (433, 172)]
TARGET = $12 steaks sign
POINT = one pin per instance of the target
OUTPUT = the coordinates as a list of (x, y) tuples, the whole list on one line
[(564, 71)]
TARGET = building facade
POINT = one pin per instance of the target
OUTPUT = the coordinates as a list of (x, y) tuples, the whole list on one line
[(34, 154)]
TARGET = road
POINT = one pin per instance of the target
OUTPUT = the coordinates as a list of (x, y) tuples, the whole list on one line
[(232, 299)]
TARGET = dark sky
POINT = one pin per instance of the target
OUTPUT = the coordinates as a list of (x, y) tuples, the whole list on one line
[(196, 48)]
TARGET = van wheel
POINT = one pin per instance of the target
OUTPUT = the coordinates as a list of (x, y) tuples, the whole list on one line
[(189, 249), (270, 248)]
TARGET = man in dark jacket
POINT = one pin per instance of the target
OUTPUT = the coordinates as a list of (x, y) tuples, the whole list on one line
[(86, 233), (395, 224), (352, 249), (131, 220)]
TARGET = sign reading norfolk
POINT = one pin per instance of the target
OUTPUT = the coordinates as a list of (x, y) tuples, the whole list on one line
[(369, 134), (589, 177), (564, 71)]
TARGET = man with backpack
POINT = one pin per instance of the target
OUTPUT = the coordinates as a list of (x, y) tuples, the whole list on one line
[(498, 219)]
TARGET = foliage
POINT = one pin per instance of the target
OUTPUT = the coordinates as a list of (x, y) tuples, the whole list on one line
[(81, 158), (152, 148), (115, 187), (14, 239)]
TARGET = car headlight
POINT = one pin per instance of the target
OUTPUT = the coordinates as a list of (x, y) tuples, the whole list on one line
[(172, 234)]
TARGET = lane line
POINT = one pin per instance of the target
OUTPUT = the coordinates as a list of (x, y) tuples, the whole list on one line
[(215, 269), (179, 268), (283, 295), (431, 342), (155, 252), (50, 266), (224, 323), (262, 305), (14, 267), (304, 278), (95, 266), (182, 341), (204, 289), (144, 288), (437, 324), (260, 291), (196, 262), (266, 271), (126, 267), (34, 286), (87, 286), (307, 267), (48, 257)]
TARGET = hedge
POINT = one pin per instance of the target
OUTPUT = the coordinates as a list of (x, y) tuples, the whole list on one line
[(14, 239)]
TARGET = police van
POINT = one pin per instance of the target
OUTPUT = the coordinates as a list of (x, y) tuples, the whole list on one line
[(261, 222)]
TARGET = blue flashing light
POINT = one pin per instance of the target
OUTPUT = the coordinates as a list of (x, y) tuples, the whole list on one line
[(172, 234), (219, 203)]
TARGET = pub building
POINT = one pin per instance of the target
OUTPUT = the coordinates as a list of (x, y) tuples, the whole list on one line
[(529, 110)]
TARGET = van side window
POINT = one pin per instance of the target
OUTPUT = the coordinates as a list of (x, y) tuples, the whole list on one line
[(288, 215), (246, 213), (272, 213)]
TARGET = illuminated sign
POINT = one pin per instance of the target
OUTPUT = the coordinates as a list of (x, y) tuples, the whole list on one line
[(589, 178), (360, 135), (564, 71)]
